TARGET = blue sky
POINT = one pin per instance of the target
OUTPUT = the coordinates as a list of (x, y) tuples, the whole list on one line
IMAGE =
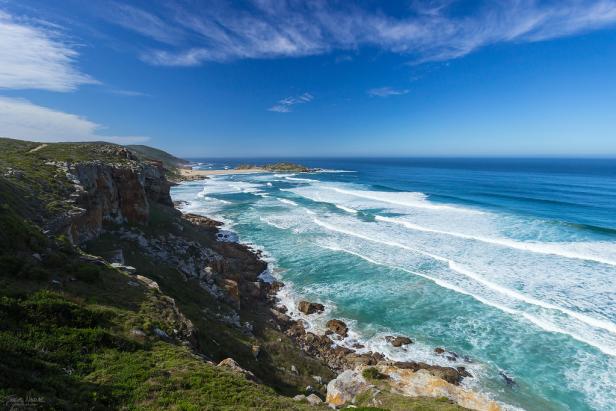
[(314, 78)]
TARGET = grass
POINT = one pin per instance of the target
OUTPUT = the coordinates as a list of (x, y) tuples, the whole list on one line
[(68, 327)]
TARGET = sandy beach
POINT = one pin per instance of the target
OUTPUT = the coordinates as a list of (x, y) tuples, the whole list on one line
[(204, 173)]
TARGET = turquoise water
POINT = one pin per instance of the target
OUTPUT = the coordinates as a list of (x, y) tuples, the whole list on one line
[(509, 263)]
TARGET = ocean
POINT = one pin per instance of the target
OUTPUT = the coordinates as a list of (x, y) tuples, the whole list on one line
[(509, 263)]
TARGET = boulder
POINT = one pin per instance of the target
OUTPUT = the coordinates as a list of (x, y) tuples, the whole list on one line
[(338, 327), (346, 387), (313, 399), (308, 308), (398, 341)]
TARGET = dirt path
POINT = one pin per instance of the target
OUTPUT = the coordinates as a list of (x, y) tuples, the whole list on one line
[(37, 148)]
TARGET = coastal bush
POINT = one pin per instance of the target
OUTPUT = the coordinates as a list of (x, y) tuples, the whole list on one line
[(86, 272), (372, 373)]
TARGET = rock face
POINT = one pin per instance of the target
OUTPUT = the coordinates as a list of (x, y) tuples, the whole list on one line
[(339, 327), (114, 192), (310, 308)]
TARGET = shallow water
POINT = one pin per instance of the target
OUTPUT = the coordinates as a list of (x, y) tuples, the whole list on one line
[(510, 263)]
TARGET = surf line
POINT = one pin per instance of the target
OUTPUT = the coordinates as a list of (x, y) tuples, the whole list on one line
[(594, 322), (546, 326), (530, 247)]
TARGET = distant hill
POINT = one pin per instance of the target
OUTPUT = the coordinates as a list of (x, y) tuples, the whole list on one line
[(151, 153)]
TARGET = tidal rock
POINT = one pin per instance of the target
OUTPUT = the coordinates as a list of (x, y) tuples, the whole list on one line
[(398, 341), (338, 327), (310, 308)]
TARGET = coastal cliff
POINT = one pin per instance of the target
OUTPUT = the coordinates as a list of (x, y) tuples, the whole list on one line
[(158, 311)]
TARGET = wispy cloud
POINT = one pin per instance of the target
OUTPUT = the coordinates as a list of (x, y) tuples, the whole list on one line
[(24, 120), (128, 93), (34, 55), (285, 105), (386, 92), (191, 33)]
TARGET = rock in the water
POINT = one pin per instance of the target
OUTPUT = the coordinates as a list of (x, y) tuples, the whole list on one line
[(339, 327), (313, 399), (439, 350), (310, 308), (398, 341)]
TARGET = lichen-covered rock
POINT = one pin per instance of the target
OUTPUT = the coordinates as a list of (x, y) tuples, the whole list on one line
[(422, 383), (346, 387)]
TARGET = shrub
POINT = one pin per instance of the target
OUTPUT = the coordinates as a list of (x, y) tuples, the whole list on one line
[(86, 273), (372, 373)]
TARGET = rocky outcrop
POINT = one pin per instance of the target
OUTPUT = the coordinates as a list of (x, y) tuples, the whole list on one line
[(310, 308), (338, 327), (398, 341), (350, 385), (113, 192)]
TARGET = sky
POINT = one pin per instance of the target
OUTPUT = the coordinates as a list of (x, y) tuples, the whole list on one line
[(276, 78)]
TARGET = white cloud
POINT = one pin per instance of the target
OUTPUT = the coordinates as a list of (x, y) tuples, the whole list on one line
[(24, 120), (386, 92), (36, 57), (285, 105), (279, 28)]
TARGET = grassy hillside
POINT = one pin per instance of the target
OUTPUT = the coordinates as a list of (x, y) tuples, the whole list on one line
[(77, 333), (170, 162)]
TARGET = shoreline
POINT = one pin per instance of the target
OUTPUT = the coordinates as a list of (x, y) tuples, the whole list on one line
[(191, 174), (351, 355)]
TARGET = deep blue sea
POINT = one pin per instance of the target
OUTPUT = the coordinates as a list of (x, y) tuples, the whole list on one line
[(510, 263)]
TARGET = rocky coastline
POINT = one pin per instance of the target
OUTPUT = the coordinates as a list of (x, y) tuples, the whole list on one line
[(406, 378)]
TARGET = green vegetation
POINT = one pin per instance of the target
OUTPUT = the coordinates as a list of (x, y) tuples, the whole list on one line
[(170, 163), (372, 373), (77, 334)]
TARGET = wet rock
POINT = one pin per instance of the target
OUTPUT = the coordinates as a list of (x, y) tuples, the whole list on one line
[(508, 380), (338, 327), (398, 341), (439, 350), (310, 308)]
